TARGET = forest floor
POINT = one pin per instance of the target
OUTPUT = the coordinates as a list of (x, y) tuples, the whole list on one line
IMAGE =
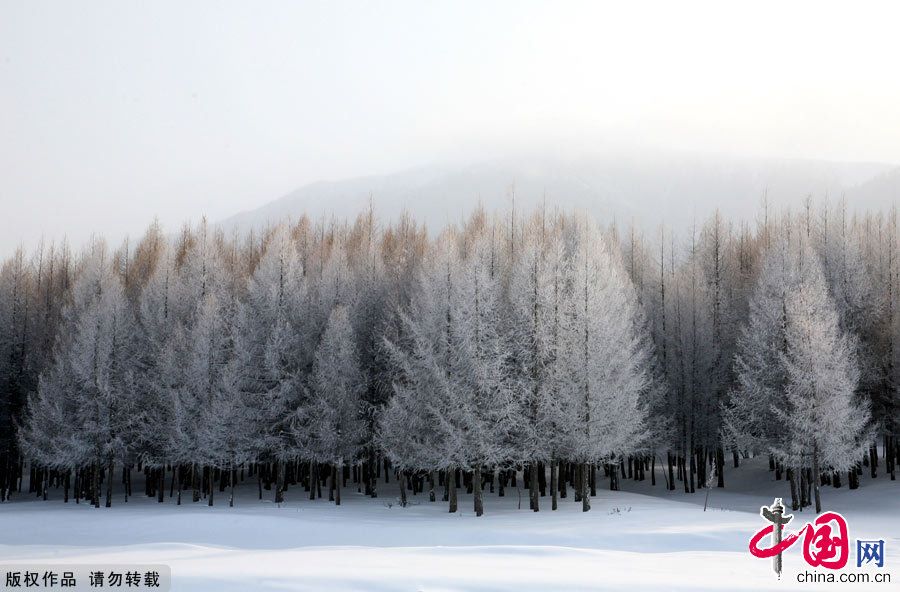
[(641, 538)]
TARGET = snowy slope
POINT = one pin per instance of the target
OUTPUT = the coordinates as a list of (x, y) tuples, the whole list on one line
[(641, 539)]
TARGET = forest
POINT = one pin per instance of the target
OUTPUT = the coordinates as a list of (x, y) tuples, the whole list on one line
[(545, 349)]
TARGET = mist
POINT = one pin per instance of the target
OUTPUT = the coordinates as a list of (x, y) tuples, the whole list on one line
[(112, 113)]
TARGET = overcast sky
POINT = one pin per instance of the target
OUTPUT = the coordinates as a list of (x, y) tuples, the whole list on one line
[(112, 113)]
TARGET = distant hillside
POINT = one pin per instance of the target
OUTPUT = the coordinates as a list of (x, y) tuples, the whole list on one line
[(649, 189)]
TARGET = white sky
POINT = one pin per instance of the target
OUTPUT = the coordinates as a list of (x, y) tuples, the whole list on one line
[(114, 112)]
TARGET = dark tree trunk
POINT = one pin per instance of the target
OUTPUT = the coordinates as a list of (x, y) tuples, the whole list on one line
[(109, 480), (792, 477), (720, 466), (542, 478), (331, 482), (211, 486), (585, 488), (671, 482), (279, 481), (232, 478), (95, 486), (451, 475), (804, 496), (554, 485), (563, 473), (577, 483), (816, 480), (338, 471), (479, 500)]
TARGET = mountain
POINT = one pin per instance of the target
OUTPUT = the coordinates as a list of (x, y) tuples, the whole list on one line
[(650, 189)]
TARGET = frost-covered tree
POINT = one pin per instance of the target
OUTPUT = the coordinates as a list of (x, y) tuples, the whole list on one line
[(158, 363), (824, 421), (760, 347), (537, 294), (89, 392), (606, 357), (334, 412), (412, 430), (481, 408), (272, 352), (202, 344), (487, 353), (797, 372), (457, 347)]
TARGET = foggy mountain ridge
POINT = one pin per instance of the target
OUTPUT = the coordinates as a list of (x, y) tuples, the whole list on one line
[(675, 190)]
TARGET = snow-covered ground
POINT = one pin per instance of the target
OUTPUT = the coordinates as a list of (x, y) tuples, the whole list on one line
[(643, 538)]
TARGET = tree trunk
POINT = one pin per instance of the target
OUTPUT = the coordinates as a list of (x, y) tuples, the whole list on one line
[(577, 482), (339, 471), (402, 486), (95, 486), (720, 466), (804, 490), (873, 463), (533, 486), (195, 489), (792, 477), (332, 482), (109, 480), (585, 485), (562, 476), (816, 480), (451, 478), (554, 485), (671, 482), (476, 482), (211, 485), (279, 482), (232, 477)]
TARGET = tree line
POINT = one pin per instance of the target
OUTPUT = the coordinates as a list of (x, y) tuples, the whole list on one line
[(505, 347)]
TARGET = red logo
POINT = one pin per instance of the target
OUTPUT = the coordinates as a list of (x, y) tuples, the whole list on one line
[(825, 540)]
